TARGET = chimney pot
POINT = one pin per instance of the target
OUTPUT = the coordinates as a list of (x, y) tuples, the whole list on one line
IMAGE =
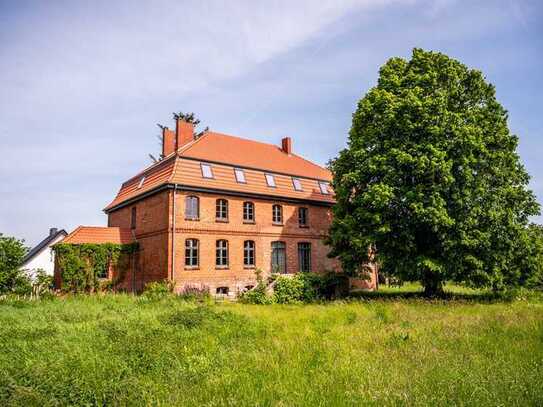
[(53, 231), (286, 145)]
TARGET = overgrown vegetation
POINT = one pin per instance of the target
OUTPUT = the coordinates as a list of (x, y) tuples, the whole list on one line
[(396, 349), (12, 279), (84, 266)]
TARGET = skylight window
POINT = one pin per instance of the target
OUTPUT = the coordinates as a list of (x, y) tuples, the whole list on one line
[(142, 180), (206, 170), (270, 180), (240, 175), (297, 184), (324, 187)]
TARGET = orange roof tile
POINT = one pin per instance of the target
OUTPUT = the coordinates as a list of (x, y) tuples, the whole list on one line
[(226, 153), (99, 234)]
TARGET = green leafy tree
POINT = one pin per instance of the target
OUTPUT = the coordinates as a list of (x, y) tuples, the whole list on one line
[(12, 252), (432, 178)]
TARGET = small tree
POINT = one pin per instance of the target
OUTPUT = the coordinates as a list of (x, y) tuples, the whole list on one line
[(432, 178), (12, 252)]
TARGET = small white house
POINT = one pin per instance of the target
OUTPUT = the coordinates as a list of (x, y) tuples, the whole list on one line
[(42, 256)]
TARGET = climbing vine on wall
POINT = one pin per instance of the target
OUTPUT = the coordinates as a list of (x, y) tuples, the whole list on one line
[(83, 266)]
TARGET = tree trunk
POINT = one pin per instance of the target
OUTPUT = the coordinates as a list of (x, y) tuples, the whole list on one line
[(433, 287)]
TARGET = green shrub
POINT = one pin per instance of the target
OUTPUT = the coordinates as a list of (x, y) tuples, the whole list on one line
[(288, 290), (158, 289), (257, 295), (194, 293)]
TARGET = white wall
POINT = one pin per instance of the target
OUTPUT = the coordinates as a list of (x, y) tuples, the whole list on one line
[(45, 259)]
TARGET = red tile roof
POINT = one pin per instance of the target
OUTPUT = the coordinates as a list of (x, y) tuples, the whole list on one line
[(99, 234), (226, 153)]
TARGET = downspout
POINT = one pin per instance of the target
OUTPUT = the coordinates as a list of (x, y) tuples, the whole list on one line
[(133, 256), (173, 234)]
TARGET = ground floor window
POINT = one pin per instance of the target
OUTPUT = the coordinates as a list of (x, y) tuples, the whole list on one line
[(279, 257), (222, 290), (304, 257)]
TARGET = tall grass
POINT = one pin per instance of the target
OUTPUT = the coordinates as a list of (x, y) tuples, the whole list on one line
[(123, 350)]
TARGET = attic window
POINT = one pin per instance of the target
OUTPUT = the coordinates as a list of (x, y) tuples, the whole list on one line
[(240, 175), (206, 171), (323, 187), (270, 180), (297, 184), (142, 180)]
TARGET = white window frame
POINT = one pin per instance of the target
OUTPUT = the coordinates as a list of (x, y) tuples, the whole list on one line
[(240, 176), (297, 184), (142, 180), (323, 186), (270, 180), (205, 168)]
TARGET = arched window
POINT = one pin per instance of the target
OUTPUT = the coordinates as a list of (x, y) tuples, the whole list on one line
[(249, 253), (191, 252), (221, 210), (277, 214), (221, 253), (192, 208), (279, 257), (248, 212), (222, 290)]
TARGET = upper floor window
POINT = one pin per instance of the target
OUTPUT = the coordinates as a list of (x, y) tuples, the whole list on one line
[(142, 180), (221, 253), (302, 217), (270, 180), (297, 184), (133, 215), (323, 187), (277, 214), (249, 253), (248, 212), (240, 175), (192, 207), (191, 252), (221, 212), (207, 172), (304, 257)]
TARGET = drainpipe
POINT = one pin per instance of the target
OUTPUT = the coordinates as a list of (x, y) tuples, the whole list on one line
[(173, 233), (133, 261)]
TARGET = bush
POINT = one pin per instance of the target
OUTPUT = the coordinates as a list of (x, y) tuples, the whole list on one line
[(158, 289), (289, 290), (194, 293), (257, 295)]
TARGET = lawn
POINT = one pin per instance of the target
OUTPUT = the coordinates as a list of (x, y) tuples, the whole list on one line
[(390, 349)]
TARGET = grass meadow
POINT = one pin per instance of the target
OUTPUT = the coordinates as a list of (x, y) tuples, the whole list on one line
[(393, 348)]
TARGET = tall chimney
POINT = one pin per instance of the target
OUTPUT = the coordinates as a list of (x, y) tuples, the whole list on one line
[(168, 141), (184, 133), (286, 145)]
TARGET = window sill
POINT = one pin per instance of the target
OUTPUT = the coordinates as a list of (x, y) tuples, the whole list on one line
[(222, 268), (248, 222), (192, 267), (277, 224), (221, 220), (193, 219), (304, 226), (249, 267)]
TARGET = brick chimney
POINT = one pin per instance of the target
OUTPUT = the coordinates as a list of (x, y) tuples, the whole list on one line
[(184, 133), (168, 141), (286, 145)]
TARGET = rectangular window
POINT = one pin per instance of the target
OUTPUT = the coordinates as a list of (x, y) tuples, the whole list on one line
[(297, 184), (133, 218), (270, 180), (191, 252), (279, 257), (302, 217), (221, 253), (249, 253), (240, 175), (277, 214), (304, 257), (206, 170), (142, 180), (323, 187)]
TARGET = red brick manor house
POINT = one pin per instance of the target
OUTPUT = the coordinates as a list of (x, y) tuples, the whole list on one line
[(215, 209)]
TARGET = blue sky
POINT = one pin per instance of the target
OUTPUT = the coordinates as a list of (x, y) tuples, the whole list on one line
[(83, 84)]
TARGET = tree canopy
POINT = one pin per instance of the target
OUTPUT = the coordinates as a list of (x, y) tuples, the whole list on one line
[(432, 178), (12, 252)]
